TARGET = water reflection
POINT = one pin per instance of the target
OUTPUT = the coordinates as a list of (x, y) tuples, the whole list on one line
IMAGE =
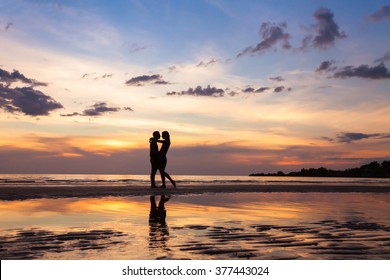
[(158, 228), (223, 226)]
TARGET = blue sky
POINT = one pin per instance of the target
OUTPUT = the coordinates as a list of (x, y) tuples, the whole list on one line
[(243, 86)]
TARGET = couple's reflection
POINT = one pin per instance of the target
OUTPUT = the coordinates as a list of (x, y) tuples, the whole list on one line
[(158, 228)]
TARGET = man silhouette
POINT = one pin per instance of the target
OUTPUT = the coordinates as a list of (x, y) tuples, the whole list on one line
[(154, 158)]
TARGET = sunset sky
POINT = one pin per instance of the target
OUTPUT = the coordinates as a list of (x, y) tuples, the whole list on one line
[(242, 86)]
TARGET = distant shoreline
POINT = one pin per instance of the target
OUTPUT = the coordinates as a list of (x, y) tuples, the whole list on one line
[(291, 174), (52, 192), (371, 170)]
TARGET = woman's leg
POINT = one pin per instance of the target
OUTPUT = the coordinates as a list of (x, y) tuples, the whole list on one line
[(166, 174), (163, 175), (163, 164), (170, 179)]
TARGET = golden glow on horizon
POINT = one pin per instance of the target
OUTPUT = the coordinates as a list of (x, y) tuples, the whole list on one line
[(71, 155), (293, 161)]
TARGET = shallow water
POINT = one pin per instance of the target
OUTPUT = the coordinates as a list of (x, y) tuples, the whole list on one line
[(80, 180), (222, 226)]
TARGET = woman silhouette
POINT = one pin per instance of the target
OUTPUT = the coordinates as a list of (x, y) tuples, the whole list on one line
[(163, 158)]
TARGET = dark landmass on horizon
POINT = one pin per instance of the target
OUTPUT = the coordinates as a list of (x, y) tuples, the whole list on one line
[(371, 170)]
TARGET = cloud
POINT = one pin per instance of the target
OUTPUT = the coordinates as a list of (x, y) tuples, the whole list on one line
[(7, 26), (262, 89), (326, 30), (280, 89), (86, 75), (136, 48), (206, 64), (384, 58), (275, 89), (272, 34), (382, 14), (364, 71), (248, 90), (98, 109), (146, 79), (172, 69), (348, 137), (218, 92), (12, 77), (95, 76), (377, 72), (326, 66), (199, 91), (128, 109), (27, 100), (276, 79), (70, 115)]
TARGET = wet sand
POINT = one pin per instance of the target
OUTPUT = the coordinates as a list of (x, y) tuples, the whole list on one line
[(270, 225), (327, 239), (21, 192)]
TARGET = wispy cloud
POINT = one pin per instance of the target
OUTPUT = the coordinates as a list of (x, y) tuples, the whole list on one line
[(248, 90), (97, 109), (382, 14), (86, 75), (349, 137), (384, 58), (146, 79), (326, 66), (199, 91), (364, 71), (326, 30), (95, 76), (136, 48), (377, 72), (12, 77), (272, 34), (322, 34), (206, 64), (219, 92), (277, 79), (262, 89), (281, 89), (6, 27)]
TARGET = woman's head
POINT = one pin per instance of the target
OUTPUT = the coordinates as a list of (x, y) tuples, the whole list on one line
[(165, 135)]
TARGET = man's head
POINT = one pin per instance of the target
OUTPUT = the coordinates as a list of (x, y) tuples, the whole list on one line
[(156, 135)]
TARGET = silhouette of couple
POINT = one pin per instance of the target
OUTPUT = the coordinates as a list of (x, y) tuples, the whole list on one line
[(158, 228), (158, 159)]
